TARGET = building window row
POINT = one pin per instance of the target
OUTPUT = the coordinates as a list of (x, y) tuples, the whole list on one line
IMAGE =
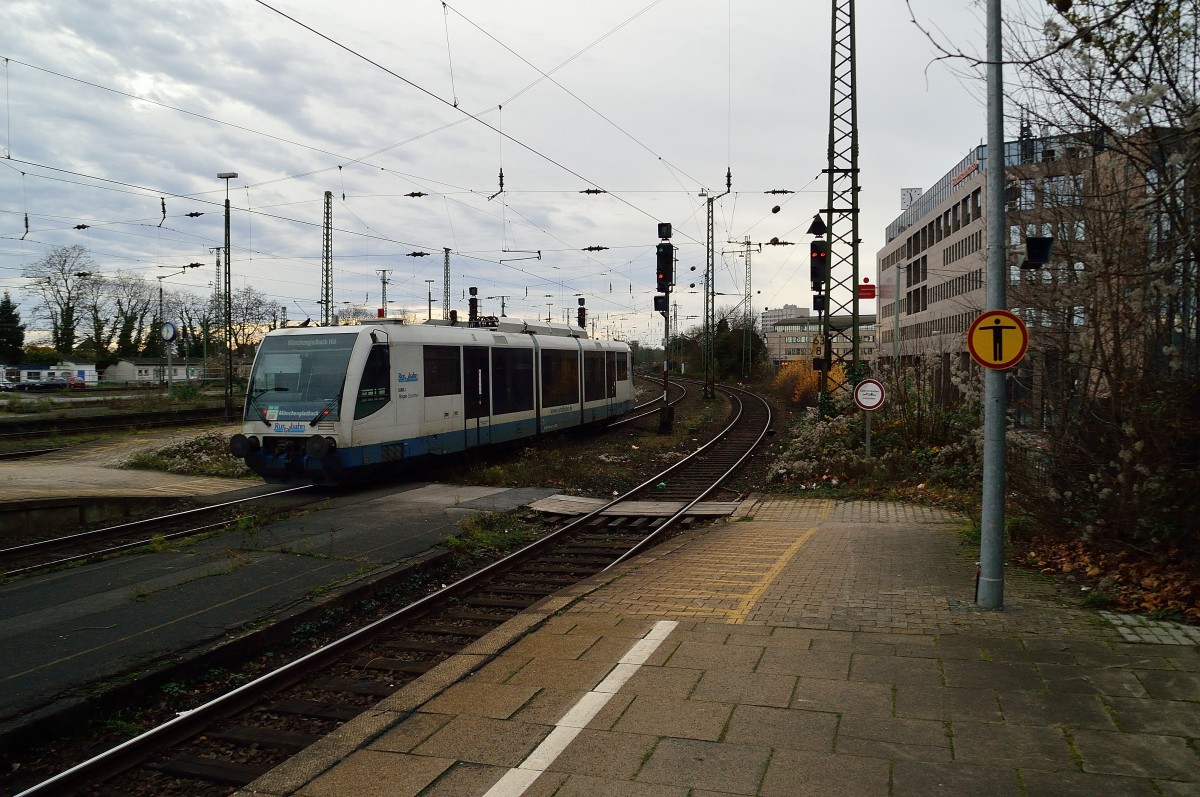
[(917, 300), (960, 249), (957, 216), (917, 272), (1061, 190), (955, 324), (1061, 317), (892, 259), (964, 283), (1063, 230), (1054, 274)]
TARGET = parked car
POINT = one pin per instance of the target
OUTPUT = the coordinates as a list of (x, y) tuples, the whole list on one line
[(6, 386), (75, 383), (45, 385)]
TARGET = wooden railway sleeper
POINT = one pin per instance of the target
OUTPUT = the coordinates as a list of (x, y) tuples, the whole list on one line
[(210, 769)]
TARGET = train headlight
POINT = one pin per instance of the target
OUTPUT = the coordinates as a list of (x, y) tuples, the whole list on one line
[(319, 447), (241, 446)]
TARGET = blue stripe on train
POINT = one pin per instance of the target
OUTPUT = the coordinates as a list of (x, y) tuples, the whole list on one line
[(374, 454)]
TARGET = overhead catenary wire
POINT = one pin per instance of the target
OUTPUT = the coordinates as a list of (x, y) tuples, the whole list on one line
[(547, 76), (445, 102), (449, 55), (505, 222)]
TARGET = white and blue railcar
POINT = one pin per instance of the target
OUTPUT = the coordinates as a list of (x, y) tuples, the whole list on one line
[(326, 404)]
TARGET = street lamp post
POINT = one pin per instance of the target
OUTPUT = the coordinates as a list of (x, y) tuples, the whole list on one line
[(227, 176)]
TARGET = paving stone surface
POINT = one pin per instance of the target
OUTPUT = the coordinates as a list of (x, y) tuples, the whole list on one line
[(811, 648)]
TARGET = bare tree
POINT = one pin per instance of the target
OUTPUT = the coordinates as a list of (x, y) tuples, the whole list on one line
[(252, 316), (198, 321), (58, 279), (99, 310), (1119, 77), (1111, 89), (133, 301)]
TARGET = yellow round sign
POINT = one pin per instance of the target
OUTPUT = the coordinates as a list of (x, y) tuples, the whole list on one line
[(997, 340)]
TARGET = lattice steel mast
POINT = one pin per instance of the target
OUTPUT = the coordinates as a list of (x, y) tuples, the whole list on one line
[(841, 210), (327, 264), (708, 349), (446, 286)]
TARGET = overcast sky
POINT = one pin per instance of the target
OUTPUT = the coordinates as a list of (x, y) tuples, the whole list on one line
[(110, 106)]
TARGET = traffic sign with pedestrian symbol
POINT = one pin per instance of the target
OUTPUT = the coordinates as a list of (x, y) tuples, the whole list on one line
[(997, 340)]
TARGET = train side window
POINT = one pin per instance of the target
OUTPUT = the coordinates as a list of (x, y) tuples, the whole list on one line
[(560, 378), (593, 376), (611, 362), (512, 380), (622, 367), (443, 371), (374, 387)]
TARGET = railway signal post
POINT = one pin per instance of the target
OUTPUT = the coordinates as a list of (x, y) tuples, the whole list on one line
[(665, 276)]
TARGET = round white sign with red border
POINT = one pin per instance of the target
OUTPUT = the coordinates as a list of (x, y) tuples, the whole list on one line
[(868, 394)]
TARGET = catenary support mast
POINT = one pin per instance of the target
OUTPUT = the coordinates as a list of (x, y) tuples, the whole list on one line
[(327, 264), (841, 212)]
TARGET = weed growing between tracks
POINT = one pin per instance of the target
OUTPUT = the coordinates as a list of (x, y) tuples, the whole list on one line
[(493, 536)]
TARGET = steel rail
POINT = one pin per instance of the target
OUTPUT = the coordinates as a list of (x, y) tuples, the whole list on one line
[(27, 453), (650, 407), (7, 554), (89, 424), (673, 519)]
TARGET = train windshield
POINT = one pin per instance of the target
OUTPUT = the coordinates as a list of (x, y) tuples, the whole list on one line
[(299, 378)]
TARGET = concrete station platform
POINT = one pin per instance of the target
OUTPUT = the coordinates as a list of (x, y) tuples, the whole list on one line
[(93, 470), (805, 648)]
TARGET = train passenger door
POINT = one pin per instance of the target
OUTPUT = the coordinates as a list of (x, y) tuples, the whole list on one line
[(477, 404), (610, 374)]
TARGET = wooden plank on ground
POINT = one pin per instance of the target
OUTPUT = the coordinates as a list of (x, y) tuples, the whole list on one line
[(578, 505)]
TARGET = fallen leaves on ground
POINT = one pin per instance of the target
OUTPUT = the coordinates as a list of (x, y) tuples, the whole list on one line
[(1125, 579)]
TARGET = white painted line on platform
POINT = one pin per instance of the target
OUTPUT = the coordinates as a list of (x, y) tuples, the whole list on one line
[(516, 781)]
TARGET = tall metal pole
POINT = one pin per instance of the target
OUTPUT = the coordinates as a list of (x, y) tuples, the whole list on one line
[(710, 322), (216, 298), (227, 176), (159, 325), (327, 319), (446, 286), (707, 347), (429, 291), (383, 283), (990, 589)]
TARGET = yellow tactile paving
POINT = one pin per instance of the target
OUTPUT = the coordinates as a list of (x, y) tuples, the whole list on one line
[(734, 573), (727, 572)]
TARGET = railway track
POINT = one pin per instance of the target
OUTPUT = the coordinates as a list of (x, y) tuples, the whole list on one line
[(227, 742), (39, 429), (653, 407), (84, 546), (73, 549)]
